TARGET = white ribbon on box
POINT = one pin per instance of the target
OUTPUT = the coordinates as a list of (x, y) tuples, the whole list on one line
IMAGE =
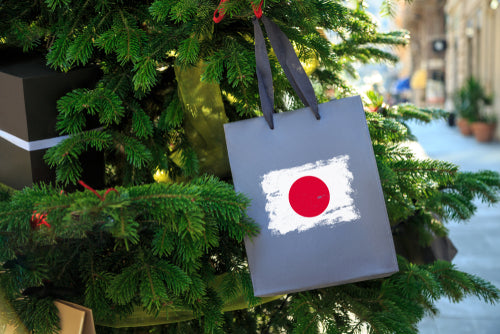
[(36, 144), (31, 145)]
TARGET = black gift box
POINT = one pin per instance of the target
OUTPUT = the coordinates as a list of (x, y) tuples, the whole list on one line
[(29, 91)]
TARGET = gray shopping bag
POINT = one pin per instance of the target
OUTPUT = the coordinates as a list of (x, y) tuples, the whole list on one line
[(316, 194)]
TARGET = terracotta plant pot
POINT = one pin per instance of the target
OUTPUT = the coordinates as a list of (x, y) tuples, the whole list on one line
[(464, 126), (483, 132)]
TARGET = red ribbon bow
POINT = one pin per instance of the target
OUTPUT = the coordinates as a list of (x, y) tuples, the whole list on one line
[(220, 11), (38, 219), (95, 191)]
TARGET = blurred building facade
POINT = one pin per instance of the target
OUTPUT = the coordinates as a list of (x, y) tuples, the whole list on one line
[(424, 59), (473, 38), (451, 40)]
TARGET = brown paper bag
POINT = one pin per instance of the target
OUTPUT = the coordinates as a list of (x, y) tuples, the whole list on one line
[(75, 319)]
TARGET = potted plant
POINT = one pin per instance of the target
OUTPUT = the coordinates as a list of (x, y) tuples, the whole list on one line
[(463, 110), (470, 101), (485, 125)]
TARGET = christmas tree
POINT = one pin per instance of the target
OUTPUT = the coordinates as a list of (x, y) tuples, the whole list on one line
[(168, 256)]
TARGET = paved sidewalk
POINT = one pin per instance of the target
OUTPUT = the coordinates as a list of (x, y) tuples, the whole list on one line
[(477, 241)]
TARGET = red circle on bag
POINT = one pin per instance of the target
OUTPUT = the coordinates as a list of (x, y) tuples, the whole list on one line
[(309, 196)]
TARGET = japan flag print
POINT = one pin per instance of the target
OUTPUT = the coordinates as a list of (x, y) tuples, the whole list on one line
[(315, 194)]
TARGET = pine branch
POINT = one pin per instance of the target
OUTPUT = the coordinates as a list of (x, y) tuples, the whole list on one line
[(167, 247), (80, 51), (145, 76), (388, 8)]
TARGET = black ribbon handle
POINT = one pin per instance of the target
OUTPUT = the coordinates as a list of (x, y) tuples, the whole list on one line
[(289, 62)]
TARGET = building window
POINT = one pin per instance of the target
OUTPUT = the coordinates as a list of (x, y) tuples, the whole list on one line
[(455, 64), (470, 56), (478, 53), (469, 32)]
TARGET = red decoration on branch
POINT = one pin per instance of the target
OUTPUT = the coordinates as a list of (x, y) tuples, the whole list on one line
[(38, 219), (257, 10), (220, 11), (86, 186)]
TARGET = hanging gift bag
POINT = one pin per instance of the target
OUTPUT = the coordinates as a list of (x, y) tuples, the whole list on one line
[(313, 184), (316, 194)]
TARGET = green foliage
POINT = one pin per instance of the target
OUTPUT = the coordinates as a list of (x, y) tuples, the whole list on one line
[(162, 246), (389, 7), (134, 42), (392, 305), (145, 246), (39, 314), (5, 192), (158, 248)]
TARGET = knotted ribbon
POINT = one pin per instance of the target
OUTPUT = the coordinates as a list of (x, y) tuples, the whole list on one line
[(290, 63), (220, 11), (38, 219), (102, 198), (287, 58)]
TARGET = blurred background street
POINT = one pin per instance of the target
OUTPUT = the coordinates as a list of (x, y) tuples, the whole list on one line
[(451, 63), (477, 241)]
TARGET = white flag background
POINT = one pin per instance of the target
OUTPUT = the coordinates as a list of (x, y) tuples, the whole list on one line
[(333, 203)]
